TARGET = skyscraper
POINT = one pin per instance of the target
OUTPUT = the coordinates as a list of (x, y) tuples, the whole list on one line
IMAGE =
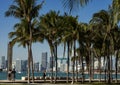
[(44, 61), (36, 67), (19, 65), (24, 65), (2, 62), (52, 59)]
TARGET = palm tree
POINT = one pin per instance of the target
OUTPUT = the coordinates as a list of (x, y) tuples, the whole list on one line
[(21, 35), (25, 9), (106, 19), (116, 39), (82, 28), (68, 22), (72, 5), (98, 41), (9, 58), (50, 26), (71, 26), (116, 14), (103, 16)]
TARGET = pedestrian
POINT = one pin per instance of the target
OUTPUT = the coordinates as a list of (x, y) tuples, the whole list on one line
[(9, 74), (13, 74), (44, 75)]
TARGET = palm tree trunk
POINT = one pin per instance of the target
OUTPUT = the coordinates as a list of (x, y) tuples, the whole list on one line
[(32, 67), (76, 70), (56, 61), (51, 49), (68, 62), (52, 68), (32, 70), (99, 59), (52, 71), (108, 56), (90, 76), (52, 54), (109, 69), (28, 64), (116, 67), (106, 68), (9, 58), (73, 73), (92, 65), (30, 42), (82, 69), (92, 68), (95, 55)]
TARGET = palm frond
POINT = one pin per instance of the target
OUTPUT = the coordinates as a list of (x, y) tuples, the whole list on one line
[(73, 5)]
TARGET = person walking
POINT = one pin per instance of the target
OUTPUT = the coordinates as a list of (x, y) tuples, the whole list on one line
[(44, 75), (9, 74), (13, 74)]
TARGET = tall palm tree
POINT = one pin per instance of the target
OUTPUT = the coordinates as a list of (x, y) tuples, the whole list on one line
[(98, 41), (9, 58), (82, 28), (25, 9), (116, 14), (106, 19), (21, 36), (68, 22), (50, 26), (71, 26), (115, 34), (72, 5)]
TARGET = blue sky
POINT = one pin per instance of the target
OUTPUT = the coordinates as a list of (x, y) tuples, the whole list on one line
[(7, 23)]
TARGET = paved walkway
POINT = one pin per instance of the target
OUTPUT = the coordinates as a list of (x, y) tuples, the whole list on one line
[(47, 82), (37, 82)]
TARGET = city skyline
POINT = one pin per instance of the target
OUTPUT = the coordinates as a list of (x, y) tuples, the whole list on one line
[(20, 65), (8, 23)]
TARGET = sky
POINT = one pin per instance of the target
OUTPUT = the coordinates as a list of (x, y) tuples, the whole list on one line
[(7, 23)]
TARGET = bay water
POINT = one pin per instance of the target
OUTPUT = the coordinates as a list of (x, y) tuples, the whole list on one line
[(3, 75)]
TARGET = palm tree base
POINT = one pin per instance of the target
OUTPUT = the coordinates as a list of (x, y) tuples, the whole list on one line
[(28, 82), (72, 82), (115, 81)]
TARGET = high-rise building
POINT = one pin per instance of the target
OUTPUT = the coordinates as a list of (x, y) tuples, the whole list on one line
[(2, 62), (6, 63), (36, 67), (24, 65), (62, 64), (44, 61), (52, 60), (18, 65)]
